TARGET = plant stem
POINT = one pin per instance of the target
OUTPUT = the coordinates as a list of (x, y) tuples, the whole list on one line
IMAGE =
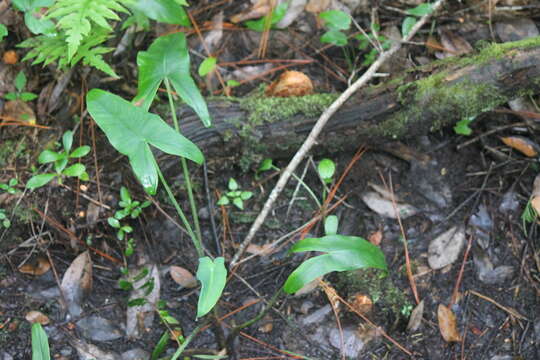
[(185, 168), (187, 341), (194, 239)]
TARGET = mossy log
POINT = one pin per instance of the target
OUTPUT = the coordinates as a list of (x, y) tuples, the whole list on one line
[(423, 99)]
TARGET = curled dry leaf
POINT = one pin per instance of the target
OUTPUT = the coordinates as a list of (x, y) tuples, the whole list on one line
[(535, 196), (416, 317), (183, 277), (37, 268), (448, 324), (522, 144), (37, 317), (77, 282), (385, 207), (375, 237), (258, 10), (290, 83), (18, 110), (317, 6), (362, 303), (445, 249), (255, 249), (309, 287)]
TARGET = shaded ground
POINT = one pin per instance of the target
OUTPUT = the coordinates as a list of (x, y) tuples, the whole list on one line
[(482, 187)]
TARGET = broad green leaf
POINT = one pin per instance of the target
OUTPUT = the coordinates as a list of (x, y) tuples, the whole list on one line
[(407, 25), (233, 185), (168, 58), (48, 156), (331, 225), (212, 275), (208, 65), (266, 164), (3, 31), (124, 194), (28, 96), (421, 10), (67, 140), (114, 222), (245, 195), (40, 343), (343, 253), (11, 96), (20, 81), (38, 25), (75, 170), (336, 19), (131, 130), (326, 168), (462, 127), (80, 151), (224, 200), (166, 11), (39, 180), (335, 37), (237, 201)]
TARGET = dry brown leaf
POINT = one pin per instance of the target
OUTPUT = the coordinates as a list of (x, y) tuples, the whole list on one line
[(267, 325), (535, 203), (18, 110), (290, 83), (10, 57), (522, 144), (37, 317), (317, 6), (361, 303), (36, 268), (77, 282), (416, 317), (448, 324), (258, 10), (255, 249), (183, 277), (375, 237)]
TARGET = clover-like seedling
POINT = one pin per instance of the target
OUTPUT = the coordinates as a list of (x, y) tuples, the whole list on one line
[(326, 170), (60, 160), (19, 94), (235, 195), (10, 186), (4, 221)]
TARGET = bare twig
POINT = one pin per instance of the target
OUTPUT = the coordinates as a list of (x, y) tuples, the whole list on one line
[(318, 127)]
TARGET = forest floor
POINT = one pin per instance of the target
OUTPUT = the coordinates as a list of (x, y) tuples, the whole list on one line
[(463, 249)]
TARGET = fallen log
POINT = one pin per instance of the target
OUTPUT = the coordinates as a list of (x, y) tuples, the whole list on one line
[(423, 99)]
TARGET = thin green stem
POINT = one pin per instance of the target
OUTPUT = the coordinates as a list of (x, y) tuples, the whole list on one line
[(185, 168), (304, 185), (194, 239), (186, 342)]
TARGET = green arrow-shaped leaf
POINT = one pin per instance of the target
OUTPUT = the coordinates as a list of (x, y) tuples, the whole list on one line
[(168, 58), (131, 130), (40, 343), (212, 275), (343, 253)]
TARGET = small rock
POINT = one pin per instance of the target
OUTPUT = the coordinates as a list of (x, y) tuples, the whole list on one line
[(135, 354), (352, 344), (96, 328), (316, 316)]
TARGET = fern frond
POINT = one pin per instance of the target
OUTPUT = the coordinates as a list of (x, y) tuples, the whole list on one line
[(46, 49), (76, 18)]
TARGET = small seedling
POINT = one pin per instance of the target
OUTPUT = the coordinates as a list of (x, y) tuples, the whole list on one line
[(341, 253), (235, 195), (130, 208), (326, 170), (10, 186), (528, 216), (462, 126), (4, 221), (19, 94), (410, 21), (60, 160)]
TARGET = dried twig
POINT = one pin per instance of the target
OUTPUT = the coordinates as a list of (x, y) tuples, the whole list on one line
[(318, 127)]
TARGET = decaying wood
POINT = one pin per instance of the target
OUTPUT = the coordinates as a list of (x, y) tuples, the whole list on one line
[(378, 115)]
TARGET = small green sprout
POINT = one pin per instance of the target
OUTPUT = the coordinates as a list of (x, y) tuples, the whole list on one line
[(326, 170), (4, 221), (235, 195), (19, 94), (60, 160), (10, 186)]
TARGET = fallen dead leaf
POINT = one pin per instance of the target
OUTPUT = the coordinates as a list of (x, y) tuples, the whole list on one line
[(290, 83), (255, 249), (183, 277), (77, 282), (522, 144), (445, 248), (317, 6), (375, 237), (416, 317), (37, 317), (18, 110), (362, 303), (36, 268), (448, 324), (258, 10), (10, 57)]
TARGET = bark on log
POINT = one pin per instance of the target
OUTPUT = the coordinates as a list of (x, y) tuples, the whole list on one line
[(404, 107)]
